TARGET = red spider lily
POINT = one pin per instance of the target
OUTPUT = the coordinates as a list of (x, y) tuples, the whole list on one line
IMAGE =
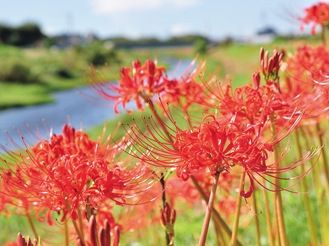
[(69, 172), (185, 90), (305, 84), (253, 107), (237, 138), (140, 83), (307, 65), (317, 14)]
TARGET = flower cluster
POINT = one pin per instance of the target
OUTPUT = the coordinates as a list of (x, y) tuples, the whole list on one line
[(317, 14), (141, 83), (69, 172), (239, 136)]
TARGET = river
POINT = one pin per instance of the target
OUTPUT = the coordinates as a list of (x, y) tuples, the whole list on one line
[(68, 106)]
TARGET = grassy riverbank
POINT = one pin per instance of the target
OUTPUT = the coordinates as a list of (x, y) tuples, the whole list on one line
[(33, 74)]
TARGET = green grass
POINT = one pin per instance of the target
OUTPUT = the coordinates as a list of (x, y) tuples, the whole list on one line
[(17, 95)]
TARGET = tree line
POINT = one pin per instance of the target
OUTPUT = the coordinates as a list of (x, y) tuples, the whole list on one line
[(23, 35)]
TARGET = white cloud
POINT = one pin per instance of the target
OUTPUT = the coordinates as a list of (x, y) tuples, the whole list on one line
[(113, 6)]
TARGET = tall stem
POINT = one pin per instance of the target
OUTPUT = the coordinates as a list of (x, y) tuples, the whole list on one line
[(321, 198), (323, 35), (237, 213), (324, 156), (80, 222), (210, 205), (277, 196), (268, 218), (75, 225), (66, 232), (307, 202), (28, 216), (216, 216), (168, 235), (256, 219), (169, 239)]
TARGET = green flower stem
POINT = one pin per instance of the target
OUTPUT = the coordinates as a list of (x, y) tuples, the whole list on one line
[(323, 153), (210, 205), (216, 216), (268, 219), (324, 219), (280, 217), (75, 225), (28, 216), (219, 233), (168, 235), (320, 195), (310, 218), (237, 213), (323, 35), (277, 196), (66, 232), (80, 223), (254, 200)]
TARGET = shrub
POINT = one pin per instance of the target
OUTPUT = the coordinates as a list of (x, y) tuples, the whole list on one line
[(97, 54), (17, 70)]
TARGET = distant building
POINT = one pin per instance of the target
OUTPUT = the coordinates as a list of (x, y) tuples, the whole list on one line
[(265, 35), (64, 41)]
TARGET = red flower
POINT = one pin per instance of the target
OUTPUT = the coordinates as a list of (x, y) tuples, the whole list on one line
[(203, 147), (317, 14), (69, 172), (140, 83), (185, 90), (306, 82), (238, 137)]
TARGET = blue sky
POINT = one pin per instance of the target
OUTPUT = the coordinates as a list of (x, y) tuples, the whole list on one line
[(157, 18)]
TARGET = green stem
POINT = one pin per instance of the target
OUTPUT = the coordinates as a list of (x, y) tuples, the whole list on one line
[(237, 213), (210, 205), (310, 218), (256, 219), (169, 239), (28, 216), (321, 200), (277, 196), (66, 232), (80, 223), (324, 156), (323, 35), (168, 235), (280, 219), (216, 216), (268, 218), (219, 234), (75, 225)]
